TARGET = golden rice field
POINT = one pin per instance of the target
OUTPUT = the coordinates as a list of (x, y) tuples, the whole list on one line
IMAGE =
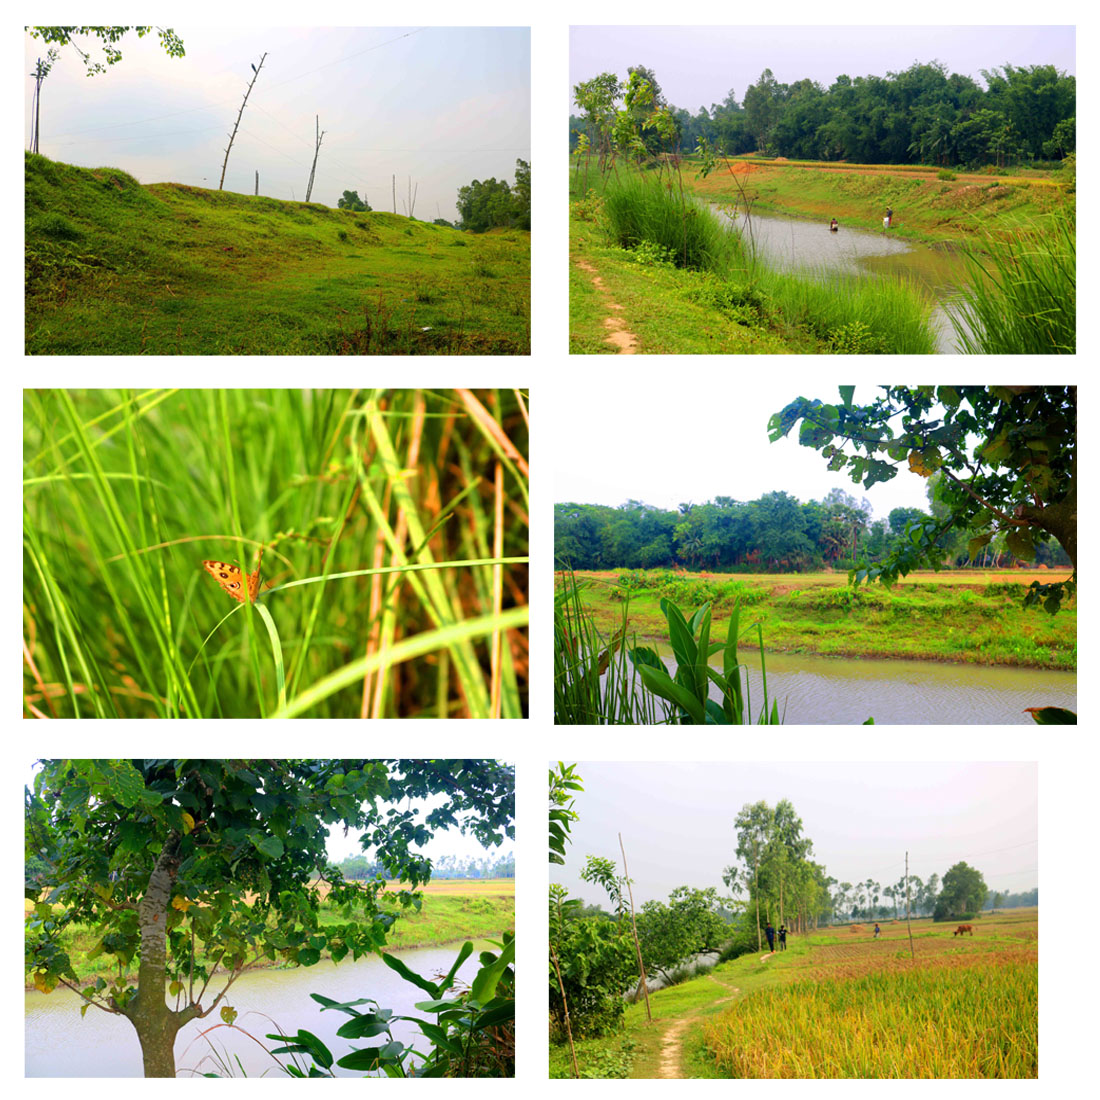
[(963, 1008)]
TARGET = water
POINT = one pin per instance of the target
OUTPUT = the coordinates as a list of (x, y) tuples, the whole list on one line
[(814, 690), (61, 1044), (793, 244)]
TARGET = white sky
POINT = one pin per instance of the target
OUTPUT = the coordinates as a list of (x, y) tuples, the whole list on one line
[(677, 820), (441, 106), (664, 442), (697, 66)]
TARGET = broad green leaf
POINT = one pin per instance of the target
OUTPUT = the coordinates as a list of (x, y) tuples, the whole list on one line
[(396, 964), (270, 846), (484, 986), (308, 956), (365, 1026), (660, 684)]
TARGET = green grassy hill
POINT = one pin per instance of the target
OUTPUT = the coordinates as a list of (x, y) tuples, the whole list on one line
[(117, 268)]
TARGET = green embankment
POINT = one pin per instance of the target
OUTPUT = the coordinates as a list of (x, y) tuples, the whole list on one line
[(114, 267), (925, 207), (963, 617), (442, 919)]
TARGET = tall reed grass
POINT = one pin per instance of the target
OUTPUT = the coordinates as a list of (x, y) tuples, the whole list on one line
[(638, 208), (595, 683), (1022, 299), (393, 525), (935, 1021)]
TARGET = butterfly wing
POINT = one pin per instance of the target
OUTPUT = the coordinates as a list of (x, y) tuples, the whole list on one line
[(254, 578), (230, 578)]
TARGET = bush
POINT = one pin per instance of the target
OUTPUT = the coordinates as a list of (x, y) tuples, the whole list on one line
[(946, 174)]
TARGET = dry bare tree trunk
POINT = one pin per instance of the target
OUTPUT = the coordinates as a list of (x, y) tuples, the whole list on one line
[(255, 73), (317, 149)]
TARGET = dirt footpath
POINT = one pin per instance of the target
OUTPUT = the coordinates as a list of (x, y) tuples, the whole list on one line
[(625, 343)]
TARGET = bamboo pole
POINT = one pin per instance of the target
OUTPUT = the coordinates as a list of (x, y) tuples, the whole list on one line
[(634, 926), (912, 953), (565, 1006)]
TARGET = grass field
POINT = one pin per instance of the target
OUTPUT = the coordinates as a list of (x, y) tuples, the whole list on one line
[(453, 909), (113, 267), (839, 1003), (967, 616)]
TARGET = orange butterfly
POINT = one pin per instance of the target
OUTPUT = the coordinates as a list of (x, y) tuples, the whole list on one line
[(233, 581)]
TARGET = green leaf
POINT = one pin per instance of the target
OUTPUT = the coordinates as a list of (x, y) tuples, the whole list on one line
[(365, 1026), (660, 684), (270, 846), (308, 956), (396, 964), (484, 986), (1052, 716)]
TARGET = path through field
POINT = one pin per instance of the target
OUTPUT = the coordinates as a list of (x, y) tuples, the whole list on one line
[(625, 342), (672, 1041)]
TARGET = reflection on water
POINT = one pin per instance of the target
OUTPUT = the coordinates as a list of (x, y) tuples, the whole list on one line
[(61, 1044), (815, 690), (792, 243)]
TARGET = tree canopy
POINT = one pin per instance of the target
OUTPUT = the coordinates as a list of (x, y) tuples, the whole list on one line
[(963, 892), (157, 856), (108, 37), (492, 203), (1006, 456), (350, 200), (922, 114)]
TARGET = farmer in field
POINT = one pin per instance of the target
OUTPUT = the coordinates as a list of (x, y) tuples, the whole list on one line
[(769, 931), (889, 217), (833, 225), (877, 931), (782, 937)]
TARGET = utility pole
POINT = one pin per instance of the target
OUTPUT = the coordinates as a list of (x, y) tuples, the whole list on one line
[(257, 181), (393, 182), (255, 73), (317, 149), (912, 953)]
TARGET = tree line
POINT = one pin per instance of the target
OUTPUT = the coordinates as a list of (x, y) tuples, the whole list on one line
[(774, 532), (922, 115), (359, 867)]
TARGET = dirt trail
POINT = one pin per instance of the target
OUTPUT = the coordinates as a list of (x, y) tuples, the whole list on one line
[(617, 334), (672, 1041)]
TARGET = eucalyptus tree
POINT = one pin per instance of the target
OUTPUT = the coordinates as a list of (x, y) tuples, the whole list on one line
[(200, 868)]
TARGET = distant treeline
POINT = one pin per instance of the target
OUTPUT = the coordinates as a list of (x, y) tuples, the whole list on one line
[(1027, 900), (923, 115), (774, 533), (359, 867)]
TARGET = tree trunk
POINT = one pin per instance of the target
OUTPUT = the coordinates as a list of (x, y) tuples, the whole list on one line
[(155, 1023)]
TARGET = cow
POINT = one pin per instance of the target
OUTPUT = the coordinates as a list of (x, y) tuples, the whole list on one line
[(962, 929)]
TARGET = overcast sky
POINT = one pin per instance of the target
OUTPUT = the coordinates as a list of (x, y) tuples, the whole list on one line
[(697, 66), (440, 106), (677, 820), (669, 441)]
